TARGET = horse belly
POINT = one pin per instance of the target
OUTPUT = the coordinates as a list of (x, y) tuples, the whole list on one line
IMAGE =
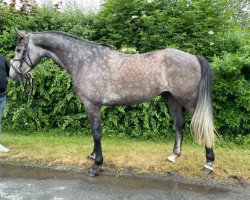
[(127, 99)]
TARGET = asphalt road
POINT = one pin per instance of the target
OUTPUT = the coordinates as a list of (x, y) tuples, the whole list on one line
[(29, 183)]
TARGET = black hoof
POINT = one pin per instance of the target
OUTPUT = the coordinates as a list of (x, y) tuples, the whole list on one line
[(93, 172), (208, 171)]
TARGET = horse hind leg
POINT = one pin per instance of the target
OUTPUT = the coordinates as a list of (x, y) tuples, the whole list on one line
[(208, 168), (176, 113)]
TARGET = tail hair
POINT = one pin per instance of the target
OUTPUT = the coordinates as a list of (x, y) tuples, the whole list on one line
[(202, 127)]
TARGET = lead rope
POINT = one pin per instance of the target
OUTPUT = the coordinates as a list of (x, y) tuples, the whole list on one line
[(30, 79), (27, 83)]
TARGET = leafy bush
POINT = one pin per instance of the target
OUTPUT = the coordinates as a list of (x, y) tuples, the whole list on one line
[(149, 25), (232, 87)]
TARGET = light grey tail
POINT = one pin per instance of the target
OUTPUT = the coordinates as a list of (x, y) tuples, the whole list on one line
[(201, 126)]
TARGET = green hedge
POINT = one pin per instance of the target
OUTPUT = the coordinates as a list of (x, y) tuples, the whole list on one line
[(199, 27), (232, 87)]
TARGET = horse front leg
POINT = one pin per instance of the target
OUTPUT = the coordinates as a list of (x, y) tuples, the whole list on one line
[(209, 161), (94, 115)]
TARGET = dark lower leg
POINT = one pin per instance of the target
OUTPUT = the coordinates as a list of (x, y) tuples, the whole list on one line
[(93, 113), (94, 170), (209, 160), (97, 150), (98, 153)]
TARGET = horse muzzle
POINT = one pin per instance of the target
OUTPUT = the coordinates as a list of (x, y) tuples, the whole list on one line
[(14, 75)]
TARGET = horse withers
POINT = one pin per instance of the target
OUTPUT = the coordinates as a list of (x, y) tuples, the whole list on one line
[(104, 76)]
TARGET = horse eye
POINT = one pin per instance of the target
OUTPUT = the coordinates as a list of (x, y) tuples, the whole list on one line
[(18, 50)]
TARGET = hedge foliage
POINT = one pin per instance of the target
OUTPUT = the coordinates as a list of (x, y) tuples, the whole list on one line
[(212, 28)]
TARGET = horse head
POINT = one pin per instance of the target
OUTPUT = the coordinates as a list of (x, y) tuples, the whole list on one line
[(25, 56)]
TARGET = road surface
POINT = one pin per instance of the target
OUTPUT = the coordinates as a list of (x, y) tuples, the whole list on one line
[(21, 183)]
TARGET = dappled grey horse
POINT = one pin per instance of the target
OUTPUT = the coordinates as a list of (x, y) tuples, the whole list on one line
[(103, 76)]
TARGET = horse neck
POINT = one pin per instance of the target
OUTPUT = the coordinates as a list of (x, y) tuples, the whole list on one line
[(64, 50)]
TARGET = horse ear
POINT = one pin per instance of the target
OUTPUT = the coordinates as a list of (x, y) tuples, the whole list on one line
[(21, 34)]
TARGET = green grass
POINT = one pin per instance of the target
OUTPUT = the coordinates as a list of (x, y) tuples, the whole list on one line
[(63, 149)]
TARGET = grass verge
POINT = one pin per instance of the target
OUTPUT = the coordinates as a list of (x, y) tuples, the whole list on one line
[(52, 149)]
